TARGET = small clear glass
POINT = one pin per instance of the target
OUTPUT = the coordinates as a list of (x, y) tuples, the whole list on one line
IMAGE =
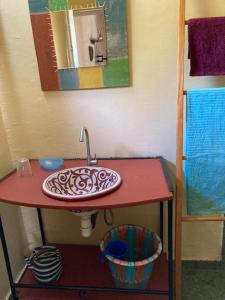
[(23, 167)]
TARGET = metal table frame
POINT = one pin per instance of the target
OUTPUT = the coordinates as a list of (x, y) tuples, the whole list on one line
[(83, 290)]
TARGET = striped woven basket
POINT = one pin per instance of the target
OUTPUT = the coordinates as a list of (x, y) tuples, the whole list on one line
[(144, 247), (46, 263)]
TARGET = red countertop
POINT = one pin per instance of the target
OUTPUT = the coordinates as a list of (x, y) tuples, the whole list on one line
[(143, 181)]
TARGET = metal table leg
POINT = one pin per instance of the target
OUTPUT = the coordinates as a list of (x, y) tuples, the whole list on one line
[(170, 248), (7, 262), (41, 226), (161, 223)]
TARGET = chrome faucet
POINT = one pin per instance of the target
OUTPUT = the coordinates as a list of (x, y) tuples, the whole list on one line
[(84, 133)]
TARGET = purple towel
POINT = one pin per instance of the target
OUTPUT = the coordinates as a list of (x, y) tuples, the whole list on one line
[(206, 37)]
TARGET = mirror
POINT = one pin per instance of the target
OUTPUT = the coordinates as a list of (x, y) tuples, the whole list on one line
[(80, 44), (79, 38)]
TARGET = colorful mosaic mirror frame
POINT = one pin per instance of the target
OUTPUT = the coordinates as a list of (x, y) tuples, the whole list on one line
[(114, 74)]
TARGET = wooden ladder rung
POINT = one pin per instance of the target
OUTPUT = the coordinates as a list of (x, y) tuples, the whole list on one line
[(203, 218), (179, 218)]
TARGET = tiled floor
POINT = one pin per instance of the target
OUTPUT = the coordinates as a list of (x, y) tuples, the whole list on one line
[(204, 281), (207, 284)]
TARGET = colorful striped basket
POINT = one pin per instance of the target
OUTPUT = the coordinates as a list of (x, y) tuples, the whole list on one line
[(144, 247)]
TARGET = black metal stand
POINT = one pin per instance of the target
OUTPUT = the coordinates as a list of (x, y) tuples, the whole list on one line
[(170, 248), (7, 262), (82, 290), (41, 226), (161, 208)]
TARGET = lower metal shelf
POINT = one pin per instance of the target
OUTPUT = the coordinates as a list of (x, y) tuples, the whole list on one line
[(83, 270)]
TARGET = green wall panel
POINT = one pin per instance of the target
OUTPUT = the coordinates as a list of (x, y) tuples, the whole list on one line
[(38, 6), (116, 27), (56, 5), (116, 73)]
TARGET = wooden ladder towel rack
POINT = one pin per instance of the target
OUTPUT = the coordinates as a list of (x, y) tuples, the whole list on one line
[(181, 93)]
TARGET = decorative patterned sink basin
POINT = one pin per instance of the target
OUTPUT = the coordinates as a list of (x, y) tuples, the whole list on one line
[(81, 183)]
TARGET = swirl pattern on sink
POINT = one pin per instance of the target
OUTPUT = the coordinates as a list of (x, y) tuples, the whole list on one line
[(80, 183)]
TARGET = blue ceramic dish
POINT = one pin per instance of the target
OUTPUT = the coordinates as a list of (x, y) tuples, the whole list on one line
[(117, 249), (51, 163)]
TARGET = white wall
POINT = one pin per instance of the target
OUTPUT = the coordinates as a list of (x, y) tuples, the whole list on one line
[(135, 121)]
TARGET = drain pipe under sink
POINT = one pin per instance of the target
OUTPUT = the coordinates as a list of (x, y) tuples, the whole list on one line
[(86, 221)]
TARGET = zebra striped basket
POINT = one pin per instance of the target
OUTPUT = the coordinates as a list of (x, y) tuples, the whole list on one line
[(46, 263), (144, 247)]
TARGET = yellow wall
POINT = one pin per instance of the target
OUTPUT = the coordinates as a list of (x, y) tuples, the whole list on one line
[(134, 121), (4, 168), (5, 158), (11, 219)]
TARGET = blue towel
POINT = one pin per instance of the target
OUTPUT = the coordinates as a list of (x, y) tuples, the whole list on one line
[(205, 151)]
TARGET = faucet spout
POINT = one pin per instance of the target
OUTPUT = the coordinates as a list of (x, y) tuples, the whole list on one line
[(85, 136)]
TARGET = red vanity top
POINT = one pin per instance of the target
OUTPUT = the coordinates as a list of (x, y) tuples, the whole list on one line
[(143, 181)]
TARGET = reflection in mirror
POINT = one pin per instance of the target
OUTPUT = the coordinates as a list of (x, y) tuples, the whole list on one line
[(62, 40), (80, 38)]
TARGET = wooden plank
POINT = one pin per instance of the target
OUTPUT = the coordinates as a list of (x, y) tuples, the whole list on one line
[(45, 51), (179, 159), (90, 77), (57, 5), (116, 16), (116, 73), (77, 4), (203, 218), (36, 7), (69, 79)]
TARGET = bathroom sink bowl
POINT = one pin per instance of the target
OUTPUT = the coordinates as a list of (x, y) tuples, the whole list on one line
[(81, 183)]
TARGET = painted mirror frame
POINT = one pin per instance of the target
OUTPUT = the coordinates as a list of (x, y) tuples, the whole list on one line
[(115, 73)]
